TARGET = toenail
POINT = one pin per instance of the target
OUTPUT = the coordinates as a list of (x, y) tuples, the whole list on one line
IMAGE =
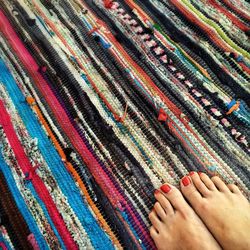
[(165, 188), (185, 181), (156, 192), (199, 173), (192, 173)]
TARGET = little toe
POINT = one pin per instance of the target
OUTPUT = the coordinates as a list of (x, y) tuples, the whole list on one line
[(160, 211), (220, 185), (163, 201), (155, 220), (190, 192), (234, 189), (175, 198), (207, 181), (199, 184)]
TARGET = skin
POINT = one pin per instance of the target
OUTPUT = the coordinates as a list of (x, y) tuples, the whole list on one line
[(176, 226), (223, 209), (214, 207)]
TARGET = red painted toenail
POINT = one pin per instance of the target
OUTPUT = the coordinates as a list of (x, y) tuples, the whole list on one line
[(165, 188), (199, 173), (192, 173), (156, 191), (185, 181)]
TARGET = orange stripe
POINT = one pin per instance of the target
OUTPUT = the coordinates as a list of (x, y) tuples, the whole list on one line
[(71, 169), (233, 108)]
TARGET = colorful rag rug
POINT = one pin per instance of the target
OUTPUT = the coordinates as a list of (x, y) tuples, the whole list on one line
[(101, 102)]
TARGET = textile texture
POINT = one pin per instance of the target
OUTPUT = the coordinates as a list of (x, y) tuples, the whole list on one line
[(101, 102)]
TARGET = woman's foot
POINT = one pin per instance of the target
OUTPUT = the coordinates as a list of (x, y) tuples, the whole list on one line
[(223, 209), (175, 225)]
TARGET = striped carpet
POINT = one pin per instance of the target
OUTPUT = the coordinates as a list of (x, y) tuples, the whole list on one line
[(103, 101)]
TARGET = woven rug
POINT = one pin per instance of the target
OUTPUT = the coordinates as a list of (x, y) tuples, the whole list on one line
[(101, 102)]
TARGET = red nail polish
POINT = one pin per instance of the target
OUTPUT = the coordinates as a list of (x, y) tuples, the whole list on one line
[(199, 173), (156, 192), (185, 181), (165, 188), (191, 173)]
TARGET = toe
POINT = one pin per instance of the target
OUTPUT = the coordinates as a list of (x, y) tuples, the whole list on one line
[(165, 204), (190, 192), (234, 189), (160, 211), (199, 184), (153, 232), (175, 198), (207, 181), (155, 220), (220, 185)]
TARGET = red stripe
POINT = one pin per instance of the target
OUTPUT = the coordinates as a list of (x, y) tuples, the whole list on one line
[(244, 67), (98, 173), (238, 11), (2, 245), (234, 19), (212, 34), (38, 184)]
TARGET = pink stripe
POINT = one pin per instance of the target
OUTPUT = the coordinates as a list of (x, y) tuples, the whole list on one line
[(33, 242), (237, 10), (232, 17), (39, 186), (99, 174), (2, 245)]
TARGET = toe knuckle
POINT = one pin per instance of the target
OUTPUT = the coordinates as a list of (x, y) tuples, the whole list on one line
[(150, 215), (215, 178), (156, 205), (204, 206), (151, 230)]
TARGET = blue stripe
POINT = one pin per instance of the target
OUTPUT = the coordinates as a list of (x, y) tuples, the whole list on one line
[(6, 243), (4, 168), (64, 179), (125, 217)]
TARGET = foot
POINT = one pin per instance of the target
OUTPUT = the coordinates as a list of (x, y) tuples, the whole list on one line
[(222, 208), (175, 224)]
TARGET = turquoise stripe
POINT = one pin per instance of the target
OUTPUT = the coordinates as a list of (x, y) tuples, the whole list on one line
[(89, 26), (125, 217), (64, 179), (4, 168), (5, 242)]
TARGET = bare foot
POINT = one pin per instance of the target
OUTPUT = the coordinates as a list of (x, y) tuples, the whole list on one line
[(222, 208), (175, 226)]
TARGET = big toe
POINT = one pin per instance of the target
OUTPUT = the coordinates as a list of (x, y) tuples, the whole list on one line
[(190, 192), (164, 203), (175, 197)]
